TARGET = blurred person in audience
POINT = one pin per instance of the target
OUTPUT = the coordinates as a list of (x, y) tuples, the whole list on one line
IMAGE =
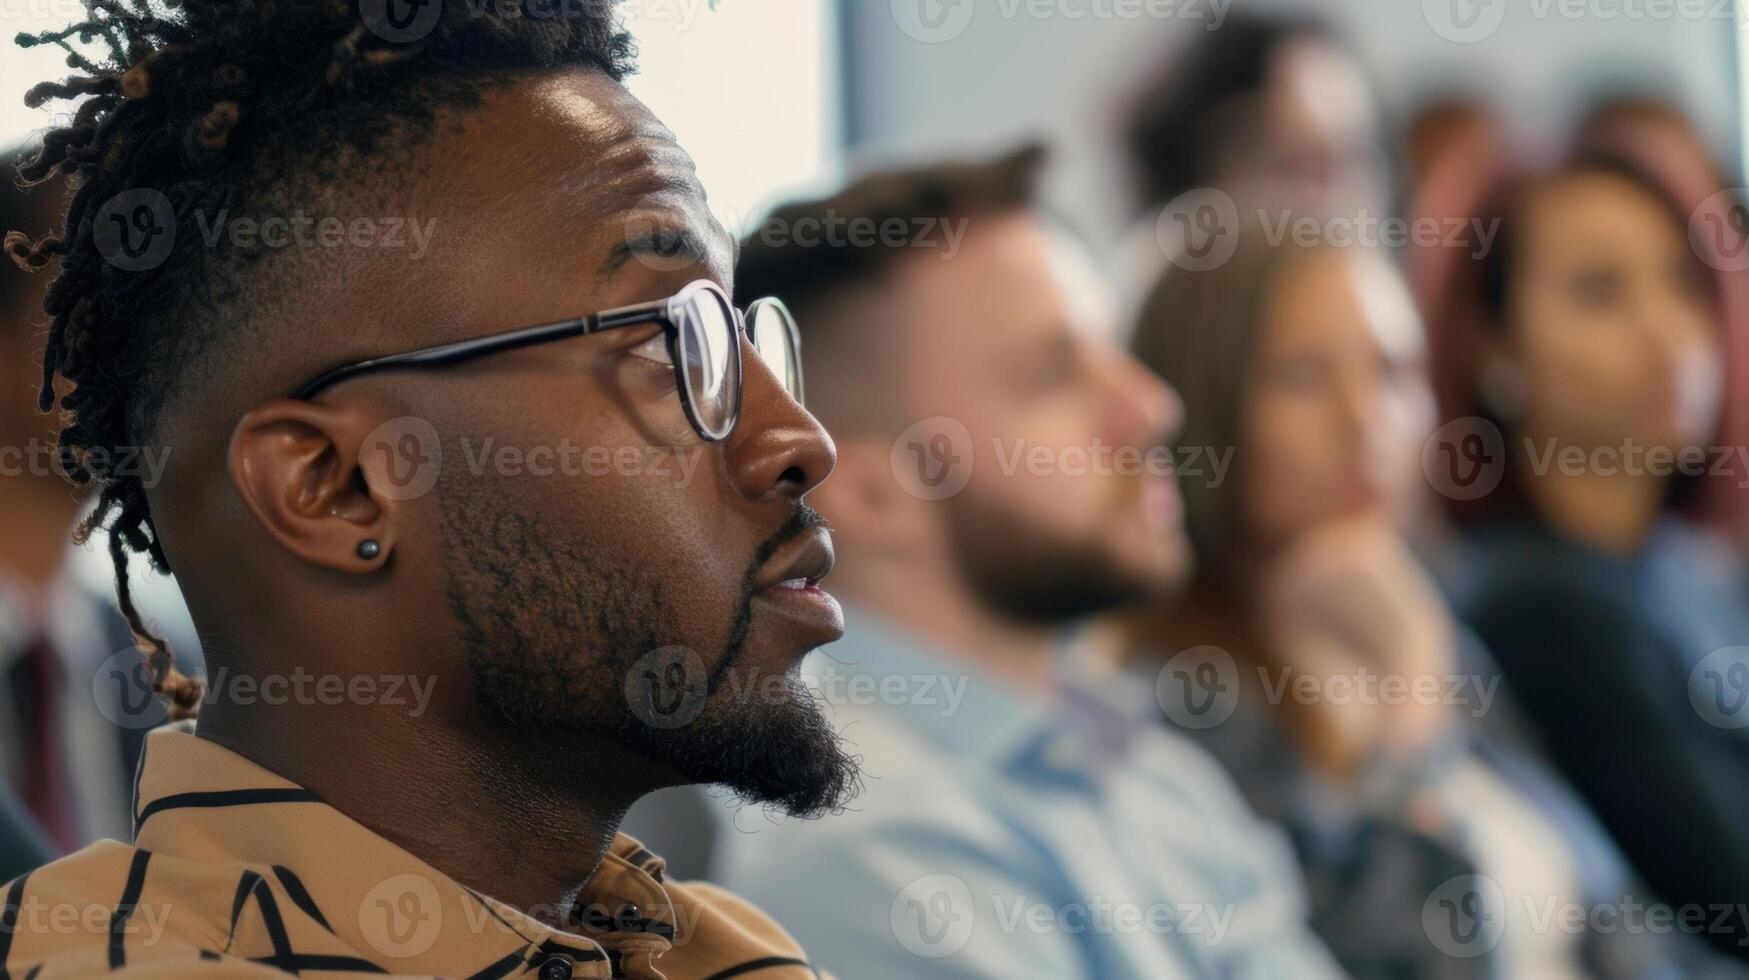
[(434, 681), (69, 737), (1662, 140), (983, 506), (1450, 134), (1271, 111), (1580, 371), (1657, 132), (1452, 145), (1315, 657), (1267, 109), (1453, 149)]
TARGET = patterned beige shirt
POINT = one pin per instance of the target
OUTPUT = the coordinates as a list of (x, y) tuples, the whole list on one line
[(237, 873)]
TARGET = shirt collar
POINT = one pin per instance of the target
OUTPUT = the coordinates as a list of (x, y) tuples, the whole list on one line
[(1084, 720), (193, 799)]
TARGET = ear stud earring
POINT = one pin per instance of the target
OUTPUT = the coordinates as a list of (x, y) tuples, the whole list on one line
[(369, 549)]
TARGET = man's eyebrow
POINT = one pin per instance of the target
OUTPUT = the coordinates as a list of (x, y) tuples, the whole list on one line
[(670, 245)]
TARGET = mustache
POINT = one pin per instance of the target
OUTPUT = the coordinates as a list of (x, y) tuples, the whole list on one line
[(801, 520)]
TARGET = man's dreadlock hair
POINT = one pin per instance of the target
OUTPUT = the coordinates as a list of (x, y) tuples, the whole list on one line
[(222, 106)]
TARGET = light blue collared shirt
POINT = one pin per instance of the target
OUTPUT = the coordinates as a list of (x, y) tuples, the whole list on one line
[(1001, 834)]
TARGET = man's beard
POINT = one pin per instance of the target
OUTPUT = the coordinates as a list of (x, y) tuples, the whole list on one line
[(563, 637), (1031, 578)]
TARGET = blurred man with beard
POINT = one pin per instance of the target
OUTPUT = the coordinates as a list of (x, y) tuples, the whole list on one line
[(1000, 478)]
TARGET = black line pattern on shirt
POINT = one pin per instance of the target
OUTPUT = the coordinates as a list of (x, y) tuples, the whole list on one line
[(9, 921), (124, 910), (222, 798), (300, 896)]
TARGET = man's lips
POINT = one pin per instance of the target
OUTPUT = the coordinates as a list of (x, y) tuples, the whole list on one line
[(799, 563), (788, 586)]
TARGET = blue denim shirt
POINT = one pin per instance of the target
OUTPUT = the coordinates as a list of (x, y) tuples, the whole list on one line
[(1004, 834)]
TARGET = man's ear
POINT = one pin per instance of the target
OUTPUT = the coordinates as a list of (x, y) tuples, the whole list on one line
[(302, 470)]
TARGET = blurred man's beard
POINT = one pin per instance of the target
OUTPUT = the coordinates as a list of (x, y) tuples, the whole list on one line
[(554, 629), (1026, 575)]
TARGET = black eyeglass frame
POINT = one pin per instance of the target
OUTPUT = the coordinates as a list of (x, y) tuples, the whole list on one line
[(665, 312)]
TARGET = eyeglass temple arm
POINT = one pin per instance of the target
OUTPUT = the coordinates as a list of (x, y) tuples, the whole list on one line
[(463, 350)]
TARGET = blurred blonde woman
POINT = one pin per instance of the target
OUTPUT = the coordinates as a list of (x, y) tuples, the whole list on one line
[(1313, 655)]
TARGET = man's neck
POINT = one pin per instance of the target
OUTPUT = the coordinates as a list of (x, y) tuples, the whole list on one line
[(526, 824), (945, 613)]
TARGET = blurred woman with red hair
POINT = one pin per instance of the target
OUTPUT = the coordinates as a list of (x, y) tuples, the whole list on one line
[(1587, 370)]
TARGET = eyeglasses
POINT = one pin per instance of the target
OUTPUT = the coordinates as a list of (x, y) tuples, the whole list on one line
[(702, 330)]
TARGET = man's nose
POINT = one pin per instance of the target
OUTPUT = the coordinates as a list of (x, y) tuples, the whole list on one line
[(1146, 410), (778, 448)]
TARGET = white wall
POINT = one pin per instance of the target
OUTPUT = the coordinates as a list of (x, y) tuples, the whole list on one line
[(751, 88), (20, 68), (993, 70)]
